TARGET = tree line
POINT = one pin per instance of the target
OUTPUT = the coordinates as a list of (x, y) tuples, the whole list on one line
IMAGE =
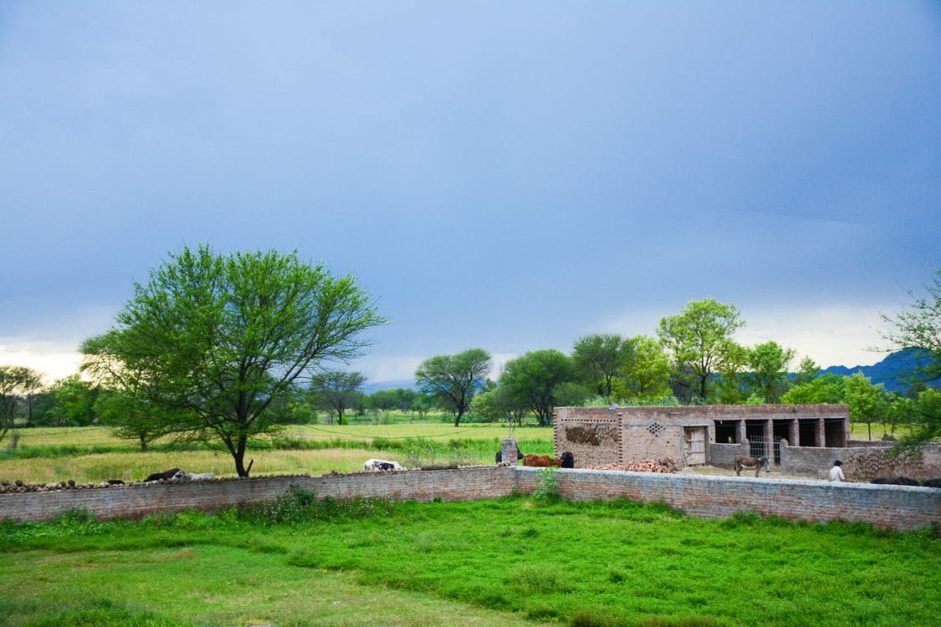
[(226, 347)]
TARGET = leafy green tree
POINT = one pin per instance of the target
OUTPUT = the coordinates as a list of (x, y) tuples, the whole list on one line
[(336, 391), (598, 360), (919, 326), (499, 403), (767, 370), (645, 374), (537, 378), (75, 401), (867, 402), (700, 341), (131, 416), (16, 383), (454, 379), (828, 388), (216, 339), (730, 385), (807, 371)]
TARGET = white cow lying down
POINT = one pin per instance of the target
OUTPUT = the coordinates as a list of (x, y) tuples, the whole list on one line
[(375, 465)]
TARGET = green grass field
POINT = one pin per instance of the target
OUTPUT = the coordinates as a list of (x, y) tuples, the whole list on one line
[(500, 562), (88, 454)]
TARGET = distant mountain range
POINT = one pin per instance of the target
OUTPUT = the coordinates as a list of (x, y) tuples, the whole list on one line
[(893, 371), (371, 387)]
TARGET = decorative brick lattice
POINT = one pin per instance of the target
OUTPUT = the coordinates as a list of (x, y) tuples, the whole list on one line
[(655, 429)]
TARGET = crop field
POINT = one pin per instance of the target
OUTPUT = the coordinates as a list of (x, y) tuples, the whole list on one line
[(88, 454), (510, 561)]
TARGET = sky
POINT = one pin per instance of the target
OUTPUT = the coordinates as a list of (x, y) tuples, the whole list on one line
[(510, 175)]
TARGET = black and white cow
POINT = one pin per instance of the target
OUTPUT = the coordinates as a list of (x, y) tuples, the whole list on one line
[(174, 474), (377, 465)]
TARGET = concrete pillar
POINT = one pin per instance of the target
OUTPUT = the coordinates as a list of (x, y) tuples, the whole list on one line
[(508, 450), (741, 431), (847, 432), (821, 433), (794, 433), (769, 439)]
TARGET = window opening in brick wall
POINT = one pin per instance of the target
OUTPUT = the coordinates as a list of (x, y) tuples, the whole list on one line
[(807, 432), (726, 431)]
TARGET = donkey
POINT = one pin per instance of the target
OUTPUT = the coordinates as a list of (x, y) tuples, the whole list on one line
[(750, 462)]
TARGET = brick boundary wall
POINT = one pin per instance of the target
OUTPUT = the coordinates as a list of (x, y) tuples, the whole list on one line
[(139, 500), (894, 507)]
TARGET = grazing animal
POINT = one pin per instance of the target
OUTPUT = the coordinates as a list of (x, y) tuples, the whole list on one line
[(377, 465), (905, 481), (932, 483), (199, 476), (750, 462), (544, 461), (174, 473)]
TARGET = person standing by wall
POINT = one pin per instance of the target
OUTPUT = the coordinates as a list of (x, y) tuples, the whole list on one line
[(836, 473)]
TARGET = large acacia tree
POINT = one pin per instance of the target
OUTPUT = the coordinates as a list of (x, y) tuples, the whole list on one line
[(454, 379), (214, 339)]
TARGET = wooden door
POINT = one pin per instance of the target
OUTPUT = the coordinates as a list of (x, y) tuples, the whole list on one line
[(695, 446)]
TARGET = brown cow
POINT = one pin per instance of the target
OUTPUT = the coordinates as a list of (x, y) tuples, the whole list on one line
[(544, 461), (540, 461)]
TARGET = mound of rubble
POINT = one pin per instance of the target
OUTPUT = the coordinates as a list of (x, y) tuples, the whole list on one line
[(646, 465)]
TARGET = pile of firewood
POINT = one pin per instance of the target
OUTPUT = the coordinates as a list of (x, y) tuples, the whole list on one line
[(646, 465)]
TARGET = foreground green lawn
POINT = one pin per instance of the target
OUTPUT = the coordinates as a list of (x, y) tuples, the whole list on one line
[(487, 562)]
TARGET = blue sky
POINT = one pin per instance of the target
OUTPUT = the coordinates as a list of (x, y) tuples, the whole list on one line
[(509, 175)]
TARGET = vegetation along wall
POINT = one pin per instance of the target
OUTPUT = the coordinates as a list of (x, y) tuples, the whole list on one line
[(896, 507)]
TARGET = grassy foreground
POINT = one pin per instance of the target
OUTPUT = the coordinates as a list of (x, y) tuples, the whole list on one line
[(486, 562)]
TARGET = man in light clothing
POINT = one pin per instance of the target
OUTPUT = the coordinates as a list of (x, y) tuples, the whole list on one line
[(836, 473)]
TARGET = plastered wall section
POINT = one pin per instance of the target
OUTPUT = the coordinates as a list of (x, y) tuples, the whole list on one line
[(892, 507), (862, 463)]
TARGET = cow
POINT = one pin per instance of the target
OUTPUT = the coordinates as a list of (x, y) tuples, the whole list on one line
[(174, 474), (544, 461), (750, 462), (377, 465)]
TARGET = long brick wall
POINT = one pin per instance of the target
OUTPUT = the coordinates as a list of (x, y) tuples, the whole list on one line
[(896, 507), (142, 499)]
